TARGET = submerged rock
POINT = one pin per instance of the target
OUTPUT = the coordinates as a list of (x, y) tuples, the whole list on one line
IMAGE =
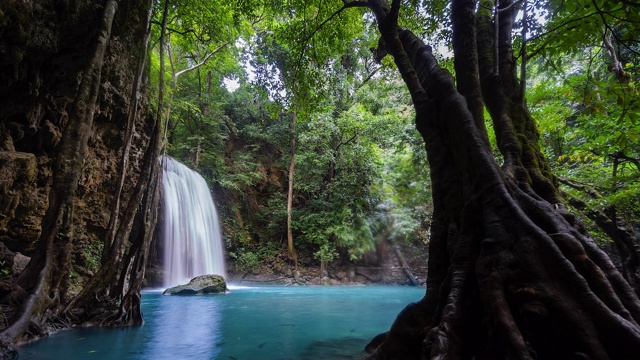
[(203, 284)]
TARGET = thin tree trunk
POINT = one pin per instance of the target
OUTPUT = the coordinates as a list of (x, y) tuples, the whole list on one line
[(160, 109), (292, 250), (130, 130), (523, 50), (404, 265), (196, 156), (103, 284)]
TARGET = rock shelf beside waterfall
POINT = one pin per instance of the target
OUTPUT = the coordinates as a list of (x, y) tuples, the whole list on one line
[(203, 284)]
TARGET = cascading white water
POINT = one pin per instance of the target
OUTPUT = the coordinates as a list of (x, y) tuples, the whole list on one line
[(192, 235)]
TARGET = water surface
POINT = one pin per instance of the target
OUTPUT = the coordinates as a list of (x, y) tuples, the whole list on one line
[(250, 323)]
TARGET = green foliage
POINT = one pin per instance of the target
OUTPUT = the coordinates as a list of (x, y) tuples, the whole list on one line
[(570, 25), (588, 115), (93, 254), (295, 50), (326, 254), (245, 260), (3, 270), (361, 171)]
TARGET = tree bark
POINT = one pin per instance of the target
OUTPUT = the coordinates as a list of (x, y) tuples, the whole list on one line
[(45, 281), (466, 63), (103, 288), (134, 100), (106, 288), (511, 274), (292, 251), (516, 133), (135, 264), (404, 265)]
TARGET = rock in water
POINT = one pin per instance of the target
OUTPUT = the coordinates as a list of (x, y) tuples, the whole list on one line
[(203, 284)]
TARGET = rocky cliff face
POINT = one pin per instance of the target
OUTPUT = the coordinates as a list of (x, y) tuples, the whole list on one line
[(44, 49)]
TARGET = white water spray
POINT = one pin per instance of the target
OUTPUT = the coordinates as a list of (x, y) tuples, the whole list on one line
[(192, 235)]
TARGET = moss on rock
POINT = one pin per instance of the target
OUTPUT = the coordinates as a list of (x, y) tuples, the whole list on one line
[(204, 284)]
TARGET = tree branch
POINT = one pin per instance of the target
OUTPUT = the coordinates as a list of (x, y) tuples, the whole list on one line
[(523, 51), (369, 77), (621, 156), (204, 61), (172, 30), (553, 30), (607, 26), (593, 193), (465, 47), (353, 4), (509, 7), (395, 11), (616, 65), (344, 143)]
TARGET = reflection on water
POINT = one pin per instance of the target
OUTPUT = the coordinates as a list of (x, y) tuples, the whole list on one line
[(194, 328), (267, 323)]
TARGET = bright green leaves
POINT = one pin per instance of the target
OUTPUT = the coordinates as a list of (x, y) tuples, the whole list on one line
[(202, 35), (346, 153), (200, 54), (570, 25), (588, 113), (585, 118), (300, 44)]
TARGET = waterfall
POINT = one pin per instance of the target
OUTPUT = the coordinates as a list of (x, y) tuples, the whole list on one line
[(192, 235)]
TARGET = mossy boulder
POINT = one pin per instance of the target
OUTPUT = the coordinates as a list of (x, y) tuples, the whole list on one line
[(199, 285)]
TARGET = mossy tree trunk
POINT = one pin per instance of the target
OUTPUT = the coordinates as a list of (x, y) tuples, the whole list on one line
[(512, 275), (117, 284)]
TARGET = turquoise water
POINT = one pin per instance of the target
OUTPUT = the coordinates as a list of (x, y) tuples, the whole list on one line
[(292, 323)]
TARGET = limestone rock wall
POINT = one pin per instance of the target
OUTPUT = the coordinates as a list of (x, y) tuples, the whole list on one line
[(22, 203), (44, 49)]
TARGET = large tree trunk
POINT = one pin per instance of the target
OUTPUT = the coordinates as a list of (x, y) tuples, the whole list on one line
[(511, 274), (106, 288)]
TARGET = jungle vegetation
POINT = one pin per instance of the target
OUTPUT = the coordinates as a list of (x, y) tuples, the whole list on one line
[(503, 134)]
